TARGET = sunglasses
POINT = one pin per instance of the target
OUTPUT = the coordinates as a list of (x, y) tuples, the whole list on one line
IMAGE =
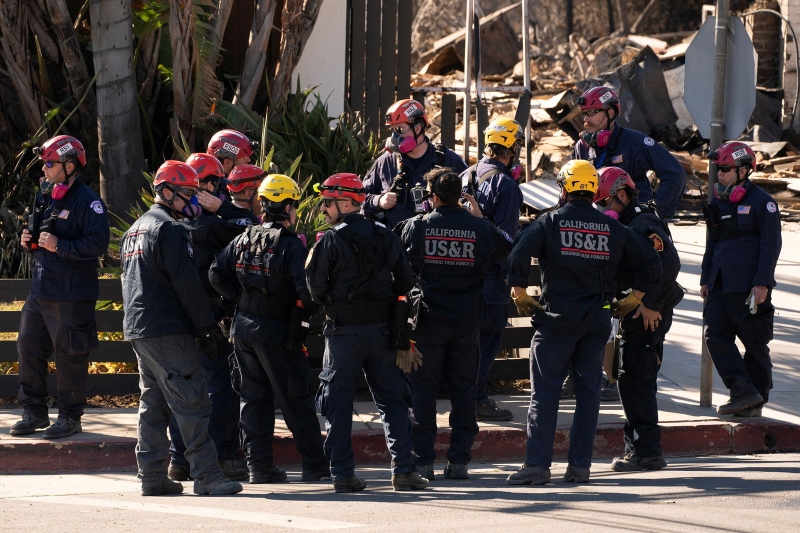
[(725, 168), (400, 130), (49, 164), (186, 192), (590, 112), (605, 202), (327, 202)]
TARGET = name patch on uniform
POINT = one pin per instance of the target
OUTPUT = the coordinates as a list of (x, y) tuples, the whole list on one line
[(445, 246), (771, 207), (617, 159), (97, 207), (743, 210), (64, 213), (587, 240), (649, 141), (658, 242)]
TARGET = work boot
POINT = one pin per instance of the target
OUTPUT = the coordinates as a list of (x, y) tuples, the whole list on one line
[(568, 388), (632, 462), (317, 474), (29, 423), (529, 475), (738, 403), (576, 474), (64, 427), (178, 472), (219, 487), (409, 481), (453, 471), (426, 471), (233, 472), (751, 412), (165, 487), (351, 484), (610, 393), (489, 412), (273, 474)]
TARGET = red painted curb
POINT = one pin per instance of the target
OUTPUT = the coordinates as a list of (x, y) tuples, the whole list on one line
[(369, 447)]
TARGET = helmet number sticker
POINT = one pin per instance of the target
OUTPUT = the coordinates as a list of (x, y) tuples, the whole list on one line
[(739, 153), (64, 149), (231, 148), (410, 111), (606, 97)]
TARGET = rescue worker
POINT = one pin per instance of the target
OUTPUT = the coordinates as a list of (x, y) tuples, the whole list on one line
[(218, 223), (357, 270), (644, 326), (409, 156), (450, 250), (232, 148), (579, 251), (604, 144), (737, 279), (243, 182), (165, 309), (263, 270), (71, 236), (494, 183)]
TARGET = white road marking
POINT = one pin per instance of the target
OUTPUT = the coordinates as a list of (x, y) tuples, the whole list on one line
[(279, 520)]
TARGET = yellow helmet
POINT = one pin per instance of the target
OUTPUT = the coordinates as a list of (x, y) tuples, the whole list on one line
[(503, 131), (277, 188), (578, 175)]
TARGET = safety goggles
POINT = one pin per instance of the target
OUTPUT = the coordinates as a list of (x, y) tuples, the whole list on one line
[(400, 130), (188, 193), (605, 202), (725, 168), (590, 112)]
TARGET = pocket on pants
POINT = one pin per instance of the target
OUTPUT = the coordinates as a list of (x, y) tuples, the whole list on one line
[(187, 390), (82, 339), (325, 380)]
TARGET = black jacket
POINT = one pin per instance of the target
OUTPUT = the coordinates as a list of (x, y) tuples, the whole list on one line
[(161, 288), (579, 250), (458, 250)]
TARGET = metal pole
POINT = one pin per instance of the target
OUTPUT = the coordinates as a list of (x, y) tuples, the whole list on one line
[(717, 131), (526, 82), (470, 9)]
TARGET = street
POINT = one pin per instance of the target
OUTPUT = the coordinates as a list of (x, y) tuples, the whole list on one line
[(721, 493)]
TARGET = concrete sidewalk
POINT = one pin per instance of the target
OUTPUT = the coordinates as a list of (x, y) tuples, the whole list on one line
[(109, 435)]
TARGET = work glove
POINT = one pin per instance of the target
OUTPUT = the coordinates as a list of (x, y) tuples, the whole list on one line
[(409, 360), (620, 308), (526, 304)]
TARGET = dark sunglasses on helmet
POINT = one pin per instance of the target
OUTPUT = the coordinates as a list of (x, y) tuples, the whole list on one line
[(725, 168)]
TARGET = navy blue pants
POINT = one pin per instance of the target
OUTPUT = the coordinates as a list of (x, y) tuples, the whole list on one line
[(449, 354), (270, 372), (224, 410), (69, 327), (640, 353), (493, 322), (347, 356), (727, 317), (553, 352)]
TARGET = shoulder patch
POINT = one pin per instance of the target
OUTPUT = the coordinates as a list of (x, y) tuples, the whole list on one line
[(658, 242), (97, 207), (771, 207), (617, 159), (649, 141)]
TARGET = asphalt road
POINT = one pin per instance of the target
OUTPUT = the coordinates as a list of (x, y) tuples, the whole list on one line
[(727, 493)]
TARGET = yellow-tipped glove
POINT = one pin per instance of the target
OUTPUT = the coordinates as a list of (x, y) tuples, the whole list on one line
[(409, 360), (526, 304), (620, 308)]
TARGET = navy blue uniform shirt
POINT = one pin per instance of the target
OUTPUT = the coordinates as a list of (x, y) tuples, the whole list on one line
[(750, 259), (579, 250), (80, 222), (458, 249), (636, 153), (379, 178)]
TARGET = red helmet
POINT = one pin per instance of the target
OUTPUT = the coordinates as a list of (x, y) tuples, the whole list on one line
[(61, 148), (207, 166), (612, 179), (405, 112), (177, 174), (599, 98), (230, 144), (735, 154), (244, 177), (343, 186)]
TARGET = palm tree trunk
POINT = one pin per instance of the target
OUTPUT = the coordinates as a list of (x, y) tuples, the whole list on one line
[(255, 58), (118, 129), (181, 29)]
